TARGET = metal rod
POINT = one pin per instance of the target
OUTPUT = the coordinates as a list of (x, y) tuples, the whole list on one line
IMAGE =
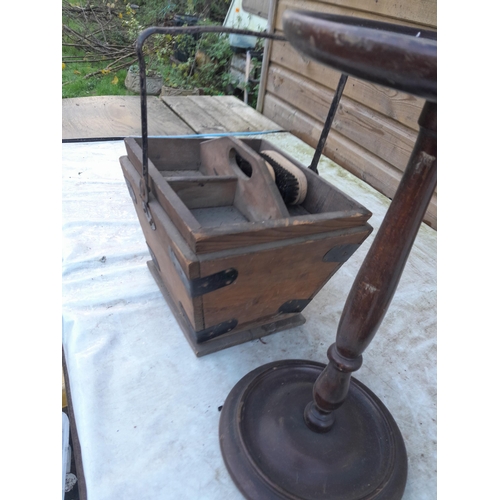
[(271, 24), (171, 30), (378, 277), (328, 123), (183, 136), (247, 76)]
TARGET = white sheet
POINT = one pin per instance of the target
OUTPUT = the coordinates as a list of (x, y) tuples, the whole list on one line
[(146, 408)]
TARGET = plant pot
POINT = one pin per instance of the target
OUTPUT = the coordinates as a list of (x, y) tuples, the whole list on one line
[(185, 49), (185, 20), (133, 82)]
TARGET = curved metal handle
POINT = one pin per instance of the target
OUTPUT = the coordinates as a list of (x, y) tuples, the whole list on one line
[(190, 30)]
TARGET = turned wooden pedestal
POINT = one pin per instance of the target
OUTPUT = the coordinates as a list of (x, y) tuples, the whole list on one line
[(297, 429)]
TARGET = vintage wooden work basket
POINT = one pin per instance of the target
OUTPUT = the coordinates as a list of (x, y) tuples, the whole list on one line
[(233, 262)]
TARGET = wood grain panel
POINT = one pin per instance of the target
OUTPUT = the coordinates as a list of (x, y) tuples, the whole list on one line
[(117, 116), (375, 127), (257, 196), (399, 106), (410, 13), (233, 236), (215, 114), (194, 114), (213, 118), (375, 132), (205, 192), (343, 151), (166, 236), (416, 11), (365, 165), (269, 278), (258, 121)]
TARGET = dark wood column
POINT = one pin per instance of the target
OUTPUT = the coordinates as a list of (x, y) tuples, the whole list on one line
[(378, 277)]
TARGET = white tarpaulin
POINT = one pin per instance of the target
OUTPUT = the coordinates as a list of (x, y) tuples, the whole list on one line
[(146, 408)]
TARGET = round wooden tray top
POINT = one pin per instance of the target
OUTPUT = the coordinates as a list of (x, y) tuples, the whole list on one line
[(399, 57), (271, 454)]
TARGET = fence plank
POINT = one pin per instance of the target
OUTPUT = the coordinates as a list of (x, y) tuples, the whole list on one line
[(378, 173), (375, 132), (399, 106), (376, 127)]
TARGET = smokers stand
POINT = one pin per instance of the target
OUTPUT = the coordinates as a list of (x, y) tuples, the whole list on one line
[(297, 429), (233, 261)]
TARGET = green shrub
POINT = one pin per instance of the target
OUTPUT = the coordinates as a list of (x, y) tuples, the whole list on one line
[(87, 71)]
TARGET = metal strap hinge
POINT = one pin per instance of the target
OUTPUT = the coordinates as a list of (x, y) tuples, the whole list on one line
[(200, 286), (149, 217)]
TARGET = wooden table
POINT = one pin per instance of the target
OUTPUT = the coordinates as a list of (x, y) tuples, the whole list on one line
[(119, 116)]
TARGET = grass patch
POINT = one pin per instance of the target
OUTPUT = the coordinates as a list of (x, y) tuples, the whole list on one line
[(98, 49), (88, 49), (74, 83)]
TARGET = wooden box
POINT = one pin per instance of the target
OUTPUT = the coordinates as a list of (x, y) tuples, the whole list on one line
[(232, 265)]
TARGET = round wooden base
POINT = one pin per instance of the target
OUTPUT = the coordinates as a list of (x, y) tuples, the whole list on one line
[(271, 453)]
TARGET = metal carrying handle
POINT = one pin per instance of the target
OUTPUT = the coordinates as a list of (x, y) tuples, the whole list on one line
[(328, 123), (143, 36), (193, 30)]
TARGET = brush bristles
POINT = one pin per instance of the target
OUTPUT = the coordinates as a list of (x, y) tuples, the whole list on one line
[(290, 181)]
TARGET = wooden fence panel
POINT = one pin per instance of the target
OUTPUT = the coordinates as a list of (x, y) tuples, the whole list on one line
[(375, 127), (383, 136), (372, 169), (410, 12), (402, 107)]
